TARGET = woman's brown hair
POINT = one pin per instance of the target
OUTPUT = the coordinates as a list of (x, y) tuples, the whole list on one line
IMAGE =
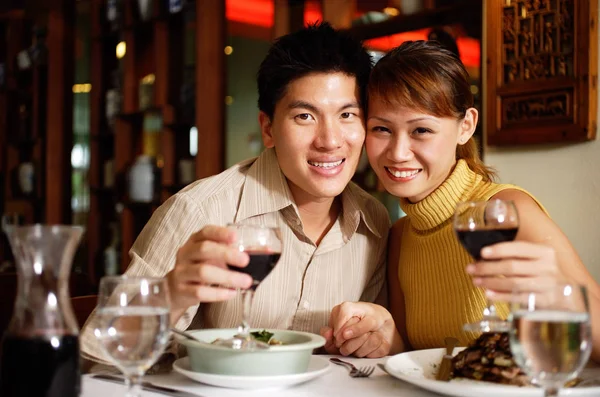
[(423, 75)]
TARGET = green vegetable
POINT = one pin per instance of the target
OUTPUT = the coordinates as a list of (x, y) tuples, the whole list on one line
[(262, 336)]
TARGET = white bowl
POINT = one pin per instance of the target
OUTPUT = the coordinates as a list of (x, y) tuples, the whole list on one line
[(292, 357)]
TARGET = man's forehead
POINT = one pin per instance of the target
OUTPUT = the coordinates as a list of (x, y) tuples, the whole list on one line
[(320, 90)]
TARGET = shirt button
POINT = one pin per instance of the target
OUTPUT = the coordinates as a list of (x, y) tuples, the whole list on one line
[(306, 305)]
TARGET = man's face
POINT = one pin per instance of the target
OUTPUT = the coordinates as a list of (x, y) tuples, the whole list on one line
[(317, 131)]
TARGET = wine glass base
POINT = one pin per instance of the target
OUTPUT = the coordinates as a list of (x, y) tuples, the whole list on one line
[(488, 324)]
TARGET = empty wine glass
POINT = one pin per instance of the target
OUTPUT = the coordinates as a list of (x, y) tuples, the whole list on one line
[(551, 334), (478, 224), (263, 245), (133, 324)]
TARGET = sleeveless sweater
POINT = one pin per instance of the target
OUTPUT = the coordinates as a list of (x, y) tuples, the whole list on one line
[(439, 295)]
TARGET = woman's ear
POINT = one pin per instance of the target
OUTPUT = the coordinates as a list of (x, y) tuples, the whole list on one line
[(467, 126), (266, 129)]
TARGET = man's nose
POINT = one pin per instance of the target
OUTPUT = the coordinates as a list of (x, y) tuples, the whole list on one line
[(329, 136)]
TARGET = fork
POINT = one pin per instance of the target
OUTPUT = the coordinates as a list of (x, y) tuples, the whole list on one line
[(363, 372)]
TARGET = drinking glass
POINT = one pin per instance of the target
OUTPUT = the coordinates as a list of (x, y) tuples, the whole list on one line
[(478, 224), (551, 334), (133, 324), (263, 245)]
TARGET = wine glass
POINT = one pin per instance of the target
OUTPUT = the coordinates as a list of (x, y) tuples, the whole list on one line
[(133, 324), (550, 337), (478, 224), (263, 245)]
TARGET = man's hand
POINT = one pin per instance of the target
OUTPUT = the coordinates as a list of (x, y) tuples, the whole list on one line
[(201, 273), (361, 329)]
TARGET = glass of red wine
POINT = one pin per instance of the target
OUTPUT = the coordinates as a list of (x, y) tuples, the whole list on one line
[(263, 245), (478, 224)]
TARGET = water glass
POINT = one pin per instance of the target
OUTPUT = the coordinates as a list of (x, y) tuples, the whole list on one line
[(133, 324), (551, 334)]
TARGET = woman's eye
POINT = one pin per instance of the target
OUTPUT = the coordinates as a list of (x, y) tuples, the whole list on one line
[(379, 128), (421, 130)]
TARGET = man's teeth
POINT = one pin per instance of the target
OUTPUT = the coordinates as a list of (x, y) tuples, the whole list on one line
[(403, 174), (325, 165)]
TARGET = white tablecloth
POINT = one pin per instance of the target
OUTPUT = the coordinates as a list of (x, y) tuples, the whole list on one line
[(335, 382)]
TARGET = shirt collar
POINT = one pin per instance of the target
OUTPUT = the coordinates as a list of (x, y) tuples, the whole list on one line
[(266, 190)]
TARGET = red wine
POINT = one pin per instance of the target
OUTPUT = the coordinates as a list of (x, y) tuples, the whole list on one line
[(41, 367), (475, 240), (260, 265)]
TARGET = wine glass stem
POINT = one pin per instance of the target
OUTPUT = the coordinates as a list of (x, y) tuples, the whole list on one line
[(244, 328), (551, 391), (134, 385), (490, 310)]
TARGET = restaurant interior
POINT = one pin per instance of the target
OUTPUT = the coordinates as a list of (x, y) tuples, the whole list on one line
[(109, 107)]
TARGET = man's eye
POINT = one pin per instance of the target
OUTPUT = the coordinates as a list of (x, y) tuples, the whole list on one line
[(304, 116), (347, 115)]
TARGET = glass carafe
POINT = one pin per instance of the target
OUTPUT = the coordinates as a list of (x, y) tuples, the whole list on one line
[(39, 354)]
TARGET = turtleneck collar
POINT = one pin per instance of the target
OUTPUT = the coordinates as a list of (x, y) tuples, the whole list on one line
[(439, 206)]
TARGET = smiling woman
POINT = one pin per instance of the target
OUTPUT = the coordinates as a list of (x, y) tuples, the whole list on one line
[(419, 142)]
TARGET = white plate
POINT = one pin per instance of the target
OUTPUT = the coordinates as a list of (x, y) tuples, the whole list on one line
[(316, 367), (420, 367)]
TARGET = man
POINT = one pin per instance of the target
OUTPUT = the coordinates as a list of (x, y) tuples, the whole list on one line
[(312, 87)]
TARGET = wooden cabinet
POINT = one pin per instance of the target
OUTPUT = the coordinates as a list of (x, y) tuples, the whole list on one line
[(156, 80), (542, 58)]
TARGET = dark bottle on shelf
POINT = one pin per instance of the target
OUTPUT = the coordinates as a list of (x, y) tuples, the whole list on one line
[(114, 14)]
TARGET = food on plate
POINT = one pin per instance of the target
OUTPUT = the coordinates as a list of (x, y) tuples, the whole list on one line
[(489, 358)]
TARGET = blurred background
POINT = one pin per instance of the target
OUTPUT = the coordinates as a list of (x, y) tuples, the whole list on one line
[(108, 107)]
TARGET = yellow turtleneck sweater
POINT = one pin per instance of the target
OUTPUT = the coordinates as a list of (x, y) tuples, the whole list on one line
[(439, 294)]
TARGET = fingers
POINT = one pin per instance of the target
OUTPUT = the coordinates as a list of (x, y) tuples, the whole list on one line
[(370, 345), (356, 328), (342, 313), (206, 293), (517, 249), (219, 234), (329, 346), (350, 346), (213, 252), (213, 275), (511, 267), (510, 284)]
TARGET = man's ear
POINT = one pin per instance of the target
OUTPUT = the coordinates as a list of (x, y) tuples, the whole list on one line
[(266, 129), (467, 126)]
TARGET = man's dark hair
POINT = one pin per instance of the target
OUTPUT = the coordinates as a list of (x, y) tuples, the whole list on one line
[(317, 48)]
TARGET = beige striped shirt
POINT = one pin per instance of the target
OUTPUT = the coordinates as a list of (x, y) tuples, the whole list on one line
[(307, 282)]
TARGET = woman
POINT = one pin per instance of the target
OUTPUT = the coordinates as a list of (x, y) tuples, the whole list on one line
[(419, 142)]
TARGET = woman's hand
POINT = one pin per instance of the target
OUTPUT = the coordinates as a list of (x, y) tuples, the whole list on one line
[(516, 264), (361, 329)]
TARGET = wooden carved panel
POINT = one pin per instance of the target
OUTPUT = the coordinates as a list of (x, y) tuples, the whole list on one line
[(542, 71)]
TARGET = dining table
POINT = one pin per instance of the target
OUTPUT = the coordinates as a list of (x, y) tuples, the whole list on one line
[(335, 382)]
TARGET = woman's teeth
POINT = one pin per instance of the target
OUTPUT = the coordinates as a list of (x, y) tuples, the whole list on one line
[(403, 174), (325, 165)]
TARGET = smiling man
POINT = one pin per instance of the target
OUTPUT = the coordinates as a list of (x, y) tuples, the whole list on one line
[(311, 99)]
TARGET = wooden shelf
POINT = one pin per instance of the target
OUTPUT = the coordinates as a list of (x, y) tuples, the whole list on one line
[(154, 47), (419, 20)]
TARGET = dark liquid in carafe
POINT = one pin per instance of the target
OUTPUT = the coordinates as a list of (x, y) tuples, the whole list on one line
[(40, 367), (475, 240)]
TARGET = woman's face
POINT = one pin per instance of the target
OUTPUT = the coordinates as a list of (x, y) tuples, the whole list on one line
[(412, 152)]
